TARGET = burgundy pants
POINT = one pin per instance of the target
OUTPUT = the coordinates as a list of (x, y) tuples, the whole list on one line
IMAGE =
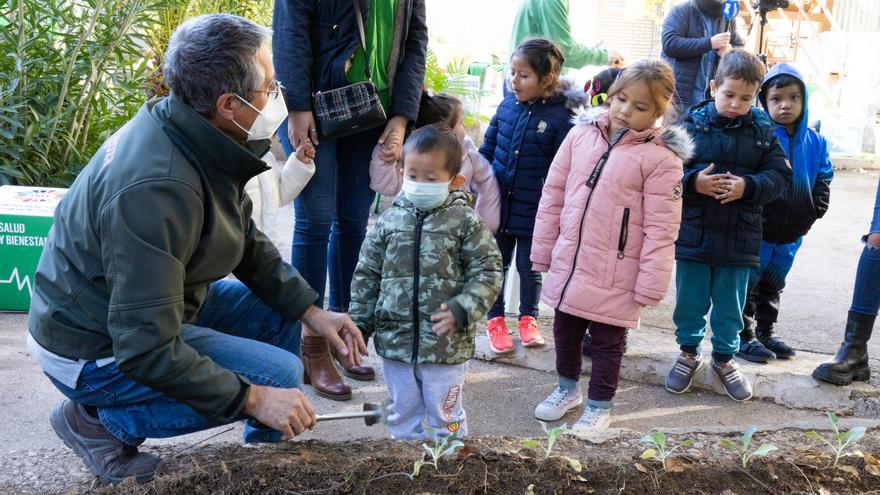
[(606, 351)]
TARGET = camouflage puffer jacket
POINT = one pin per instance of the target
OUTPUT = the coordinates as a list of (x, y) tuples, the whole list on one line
[(446, 255)]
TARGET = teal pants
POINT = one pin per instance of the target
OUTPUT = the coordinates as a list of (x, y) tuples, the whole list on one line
[(700, 287)]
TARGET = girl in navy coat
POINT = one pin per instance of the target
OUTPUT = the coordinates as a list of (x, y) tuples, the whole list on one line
[(520, 143)]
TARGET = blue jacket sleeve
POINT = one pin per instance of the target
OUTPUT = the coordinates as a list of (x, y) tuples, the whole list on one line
[(675, 41), (411, 74), (773, 177), (292, 51), (490, 139), (822, 187)]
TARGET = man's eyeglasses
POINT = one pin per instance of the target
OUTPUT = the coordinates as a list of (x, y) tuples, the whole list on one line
[(274, 92)]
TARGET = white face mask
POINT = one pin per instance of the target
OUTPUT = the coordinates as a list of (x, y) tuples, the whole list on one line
[(268, 120), (425, 195)]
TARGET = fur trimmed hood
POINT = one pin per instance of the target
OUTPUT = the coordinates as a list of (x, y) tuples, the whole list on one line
[(674, 137), (575, 97)]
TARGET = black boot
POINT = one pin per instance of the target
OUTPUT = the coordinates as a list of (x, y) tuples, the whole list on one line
[(774, 344), (851, 361)]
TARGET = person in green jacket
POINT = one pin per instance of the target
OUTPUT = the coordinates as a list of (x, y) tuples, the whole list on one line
[(132, 315), (549, 19), (427, 273)]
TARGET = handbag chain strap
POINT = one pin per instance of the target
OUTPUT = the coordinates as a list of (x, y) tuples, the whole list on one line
[(360, 22)]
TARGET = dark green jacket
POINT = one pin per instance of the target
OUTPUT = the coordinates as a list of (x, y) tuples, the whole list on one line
[(156, 216), (446, 255)]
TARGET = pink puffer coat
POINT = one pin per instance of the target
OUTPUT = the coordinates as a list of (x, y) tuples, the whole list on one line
[(385, 179), (608, 220)]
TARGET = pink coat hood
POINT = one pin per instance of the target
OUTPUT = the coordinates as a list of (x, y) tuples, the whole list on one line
[(608, 219)]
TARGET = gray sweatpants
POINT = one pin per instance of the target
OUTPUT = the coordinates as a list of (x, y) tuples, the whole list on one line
[(419, 391)]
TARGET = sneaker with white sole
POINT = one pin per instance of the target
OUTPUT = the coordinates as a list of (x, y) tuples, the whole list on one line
[(499, 340), (558, 403), (529, 333), (735, 384), (681, 376), (594, 418)]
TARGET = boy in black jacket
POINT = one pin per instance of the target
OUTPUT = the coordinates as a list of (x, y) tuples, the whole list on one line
[(738, 167)]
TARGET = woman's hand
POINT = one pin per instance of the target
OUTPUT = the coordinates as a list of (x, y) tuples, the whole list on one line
[(391, 140), (302, 132)]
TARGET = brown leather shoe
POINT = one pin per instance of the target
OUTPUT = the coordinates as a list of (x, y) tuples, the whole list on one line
[(320, 371), (360, 372)]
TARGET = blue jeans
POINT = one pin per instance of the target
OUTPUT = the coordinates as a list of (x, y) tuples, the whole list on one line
[(331, 214), (698, 286), (237, 330), (866, 294), (529, 281)]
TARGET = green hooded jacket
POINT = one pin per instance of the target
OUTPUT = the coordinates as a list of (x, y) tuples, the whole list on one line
[(157, 215), (445, 255)]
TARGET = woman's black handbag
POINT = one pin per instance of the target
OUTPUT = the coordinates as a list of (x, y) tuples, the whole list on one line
[(350, 109)]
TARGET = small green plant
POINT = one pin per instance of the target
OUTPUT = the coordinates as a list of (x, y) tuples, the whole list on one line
[(444, 445), (553, 434), (661, 449), (743, 450), (844, 439)]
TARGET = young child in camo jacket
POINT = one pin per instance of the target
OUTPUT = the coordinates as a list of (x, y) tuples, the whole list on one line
[(427, 273)]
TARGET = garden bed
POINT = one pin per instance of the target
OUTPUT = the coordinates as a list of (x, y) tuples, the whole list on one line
[(504, 466)]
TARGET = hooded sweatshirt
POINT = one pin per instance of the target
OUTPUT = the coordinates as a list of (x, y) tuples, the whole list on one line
[(806, 199)]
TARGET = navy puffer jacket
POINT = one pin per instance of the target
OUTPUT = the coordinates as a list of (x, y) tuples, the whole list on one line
[(520, 143), (729, 234)]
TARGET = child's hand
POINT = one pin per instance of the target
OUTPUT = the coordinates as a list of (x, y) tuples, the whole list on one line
[(444, 321), (306, 152), (709, 184), (734, 186)]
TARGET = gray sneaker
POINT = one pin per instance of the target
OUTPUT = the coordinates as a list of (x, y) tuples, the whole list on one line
[(680, 377), (736, 385), (105, 455)]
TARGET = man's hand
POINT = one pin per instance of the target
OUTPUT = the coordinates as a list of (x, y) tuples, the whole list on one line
[(444, 322), (284, 409), (734, 187), (340, 331), (301, 130), (709, 184), (391, 139), (615, 59), (719, 40)]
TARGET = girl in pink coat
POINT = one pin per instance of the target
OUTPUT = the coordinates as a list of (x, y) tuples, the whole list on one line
[(476, 174), (605, 232)]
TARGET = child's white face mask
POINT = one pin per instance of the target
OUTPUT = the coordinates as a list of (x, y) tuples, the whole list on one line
[(425, 195)]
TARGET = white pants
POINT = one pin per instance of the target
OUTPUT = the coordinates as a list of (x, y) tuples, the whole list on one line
[(419, 391)]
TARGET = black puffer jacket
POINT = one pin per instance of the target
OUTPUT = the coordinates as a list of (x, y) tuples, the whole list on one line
[(729, 234)]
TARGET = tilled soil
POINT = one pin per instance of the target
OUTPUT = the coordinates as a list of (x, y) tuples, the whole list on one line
[(501, 465)]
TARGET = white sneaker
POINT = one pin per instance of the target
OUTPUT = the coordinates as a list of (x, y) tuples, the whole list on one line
[(594, 418), (558, 403)]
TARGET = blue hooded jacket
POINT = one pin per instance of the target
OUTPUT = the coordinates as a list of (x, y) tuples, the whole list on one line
[(792, 214)]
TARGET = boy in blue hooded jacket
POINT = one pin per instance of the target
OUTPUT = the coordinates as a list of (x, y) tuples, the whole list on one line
[(784, 98)]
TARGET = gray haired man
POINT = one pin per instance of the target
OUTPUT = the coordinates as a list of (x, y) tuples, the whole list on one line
[(132, 316)]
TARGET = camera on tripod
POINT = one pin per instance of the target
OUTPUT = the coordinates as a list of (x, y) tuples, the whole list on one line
[(765, 5)]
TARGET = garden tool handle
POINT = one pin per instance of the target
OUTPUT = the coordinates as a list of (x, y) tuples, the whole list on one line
[(348, 415)]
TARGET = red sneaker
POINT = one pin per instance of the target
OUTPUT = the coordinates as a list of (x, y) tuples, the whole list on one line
[(528, 332), (499, 340)]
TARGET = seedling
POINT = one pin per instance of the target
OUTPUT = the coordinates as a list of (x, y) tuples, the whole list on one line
[(553, 434), (743, 450), (444, 445), (661, 449), (844, 439)]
